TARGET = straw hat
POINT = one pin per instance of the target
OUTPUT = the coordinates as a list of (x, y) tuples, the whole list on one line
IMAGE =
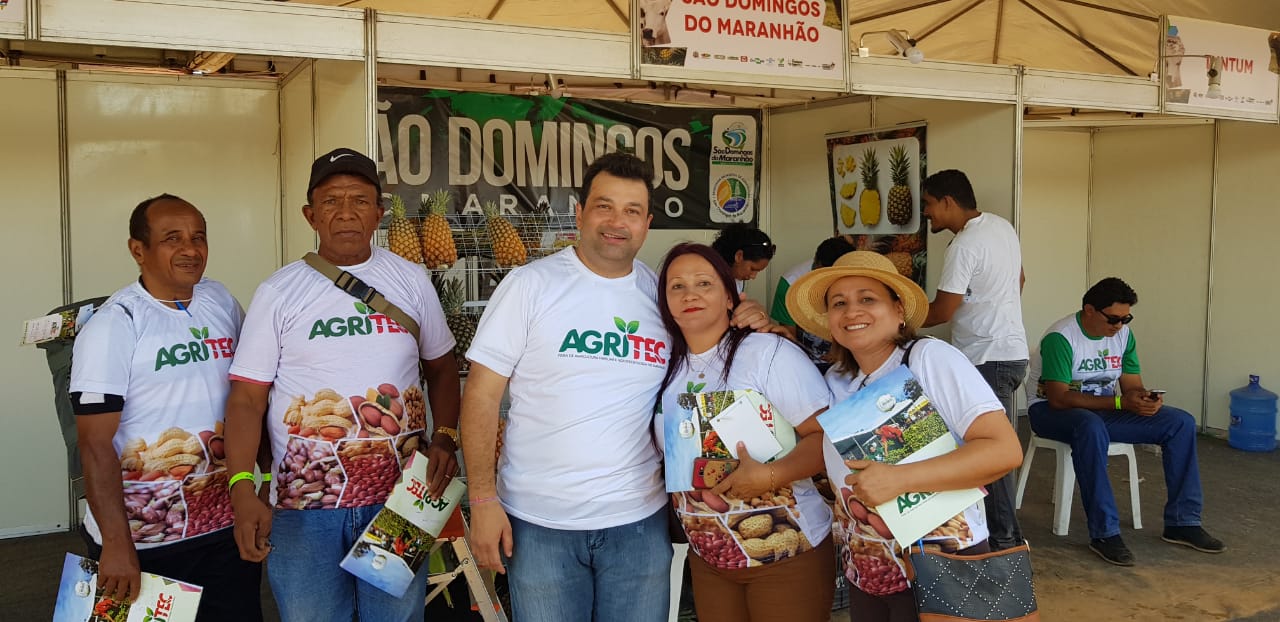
[(807, 297)]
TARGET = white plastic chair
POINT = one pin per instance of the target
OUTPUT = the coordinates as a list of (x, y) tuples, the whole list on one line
[(1064, 480)]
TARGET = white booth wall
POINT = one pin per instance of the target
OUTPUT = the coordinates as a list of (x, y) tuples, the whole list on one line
[(219, 143), (1246, 284), (31, 452)]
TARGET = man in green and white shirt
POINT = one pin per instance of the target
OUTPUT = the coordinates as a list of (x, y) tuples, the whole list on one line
[(1085, 389)]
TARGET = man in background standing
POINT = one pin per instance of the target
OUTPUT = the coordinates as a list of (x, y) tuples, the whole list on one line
[(980, 294)]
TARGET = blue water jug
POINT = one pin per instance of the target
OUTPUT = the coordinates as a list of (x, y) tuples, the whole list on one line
[(1253, 418)]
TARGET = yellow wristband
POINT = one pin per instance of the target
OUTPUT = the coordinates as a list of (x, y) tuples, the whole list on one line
[(243, 475), (1118, 402), (266, 477)]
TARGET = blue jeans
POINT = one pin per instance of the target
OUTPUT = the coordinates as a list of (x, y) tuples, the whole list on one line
[(1004, 377), (1090, 431), (618, 574), (308, 584)]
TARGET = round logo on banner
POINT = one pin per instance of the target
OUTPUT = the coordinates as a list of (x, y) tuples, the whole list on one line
[(731, 194)]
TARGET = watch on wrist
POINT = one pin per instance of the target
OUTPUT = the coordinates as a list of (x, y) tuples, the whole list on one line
[(449, 432)]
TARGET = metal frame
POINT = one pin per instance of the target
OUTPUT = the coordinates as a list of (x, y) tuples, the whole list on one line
[(1208, 294), (895, 77), (481, 585)]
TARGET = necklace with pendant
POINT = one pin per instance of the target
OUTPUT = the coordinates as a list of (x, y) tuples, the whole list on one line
[(711, 356)]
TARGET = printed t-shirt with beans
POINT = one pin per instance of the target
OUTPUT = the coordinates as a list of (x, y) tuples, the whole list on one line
[(873, 561), (171, 370), (347, 407), (725, 531)]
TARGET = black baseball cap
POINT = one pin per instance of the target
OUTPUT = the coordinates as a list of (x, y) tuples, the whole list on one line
[(343, 161)]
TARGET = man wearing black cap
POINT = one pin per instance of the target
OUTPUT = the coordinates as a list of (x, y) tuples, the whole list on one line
[(338, 384)]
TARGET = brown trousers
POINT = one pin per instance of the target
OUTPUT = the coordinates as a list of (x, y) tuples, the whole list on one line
[(799, 589)]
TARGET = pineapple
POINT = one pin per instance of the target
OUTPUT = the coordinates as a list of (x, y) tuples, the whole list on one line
[(847, 216), (902, 261), (535, 223), (508, 250), (462, 325), (899, 195), (869, 204), (438, 248), (400, 236)]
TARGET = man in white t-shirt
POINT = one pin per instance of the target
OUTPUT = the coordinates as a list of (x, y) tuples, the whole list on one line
[(576, 502), (980, 294), (148, 385), (339, 384)]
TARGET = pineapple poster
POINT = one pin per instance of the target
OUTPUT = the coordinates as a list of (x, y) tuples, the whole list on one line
[(477, 159), (875, 179)]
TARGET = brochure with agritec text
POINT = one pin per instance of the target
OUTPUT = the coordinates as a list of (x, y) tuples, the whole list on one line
[(695, 454), (398, 540), (891, 420), (160, 599)]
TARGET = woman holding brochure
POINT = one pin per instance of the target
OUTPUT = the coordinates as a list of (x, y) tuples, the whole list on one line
[(870, 314), (735, 420)]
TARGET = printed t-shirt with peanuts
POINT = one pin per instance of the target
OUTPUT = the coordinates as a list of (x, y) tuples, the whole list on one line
[(957, 390), (347, 407), (171, 370), (727, 532)]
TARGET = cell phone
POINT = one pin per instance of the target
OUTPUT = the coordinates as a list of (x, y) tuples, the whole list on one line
[(1156, 393)]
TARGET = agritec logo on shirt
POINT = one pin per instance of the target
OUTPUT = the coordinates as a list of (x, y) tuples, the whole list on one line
[(623, 345), (366, 323), (203, 348), (1102, 362)]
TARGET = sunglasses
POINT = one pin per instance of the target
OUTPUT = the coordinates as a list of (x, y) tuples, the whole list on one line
[(1117, 319)]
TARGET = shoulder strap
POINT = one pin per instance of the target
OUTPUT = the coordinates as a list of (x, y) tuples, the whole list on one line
[(906, 352), (352, 284)]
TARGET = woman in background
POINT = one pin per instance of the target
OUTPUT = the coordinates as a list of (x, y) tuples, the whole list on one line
[(746, 249)]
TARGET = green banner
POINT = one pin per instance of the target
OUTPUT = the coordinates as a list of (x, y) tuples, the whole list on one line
[(528, 153)]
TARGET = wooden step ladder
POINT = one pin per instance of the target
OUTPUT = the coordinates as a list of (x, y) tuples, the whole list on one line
[(455, 533)]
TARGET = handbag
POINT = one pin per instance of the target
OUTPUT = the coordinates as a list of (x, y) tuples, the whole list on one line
[(987, 586)]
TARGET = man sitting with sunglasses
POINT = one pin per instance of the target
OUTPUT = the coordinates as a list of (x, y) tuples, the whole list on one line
[(1088, 392)]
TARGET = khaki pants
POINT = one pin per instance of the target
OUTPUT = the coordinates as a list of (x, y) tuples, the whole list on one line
[(799, 589)]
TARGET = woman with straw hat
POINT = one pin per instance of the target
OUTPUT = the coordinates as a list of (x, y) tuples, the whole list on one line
[(759, 537), (870, 314)]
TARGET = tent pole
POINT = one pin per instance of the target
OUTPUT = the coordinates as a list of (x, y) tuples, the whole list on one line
[(371, 82), (1085, 42), (995, 47), (626, 21), (64, 192), (898, 11), (1108, 9), (948, 20), (1208, 307)]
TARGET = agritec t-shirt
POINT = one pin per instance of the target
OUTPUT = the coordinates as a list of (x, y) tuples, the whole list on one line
[(347, 406), (1090, 365), (957, 390), (171, 369), (585, 355), (984, 264), (728, 532)]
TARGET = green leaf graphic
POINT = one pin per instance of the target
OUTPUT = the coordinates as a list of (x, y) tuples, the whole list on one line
[(195, 332), (620, 323), (204, 332), (360, 306), (633, 327), (1105, 352), (697, 388)]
